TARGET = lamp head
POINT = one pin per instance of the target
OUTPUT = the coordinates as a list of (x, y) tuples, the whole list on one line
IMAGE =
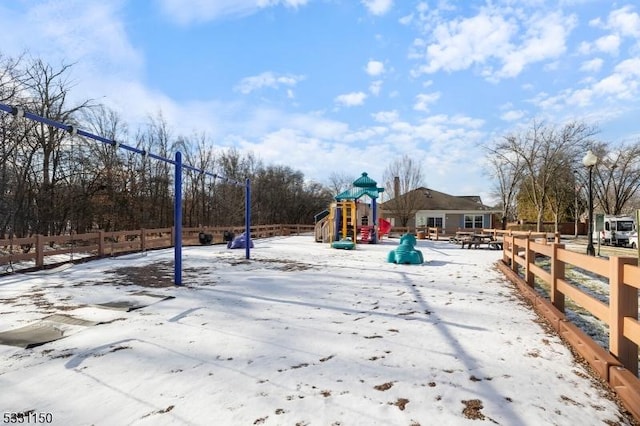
[(590, 159)]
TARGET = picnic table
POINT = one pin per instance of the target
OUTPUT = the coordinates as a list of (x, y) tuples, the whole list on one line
[(461, 236), (477, 240)]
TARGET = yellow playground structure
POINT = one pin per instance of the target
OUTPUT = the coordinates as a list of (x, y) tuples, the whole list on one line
[(349, 219)]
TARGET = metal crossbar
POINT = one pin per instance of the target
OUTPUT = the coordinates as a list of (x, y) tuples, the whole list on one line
[(20, 112)]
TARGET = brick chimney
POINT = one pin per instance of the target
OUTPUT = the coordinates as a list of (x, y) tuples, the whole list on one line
[(396, 186)]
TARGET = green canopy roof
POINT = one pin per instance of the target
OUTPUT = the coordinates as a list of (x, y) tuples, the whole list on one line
[(364, 185), (365, 181)]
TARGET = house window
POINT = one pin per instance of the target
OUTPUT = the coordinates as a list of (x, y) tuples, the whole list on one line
[(434, 222), (473, 221)]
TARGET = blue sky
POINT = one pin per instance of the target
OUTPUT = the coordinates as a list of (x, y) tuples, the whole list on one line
[(348, 86)]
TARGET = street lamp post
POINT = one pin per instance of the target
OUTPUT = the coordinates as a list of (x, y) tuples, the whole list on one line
[(575, 214), (589, 161)]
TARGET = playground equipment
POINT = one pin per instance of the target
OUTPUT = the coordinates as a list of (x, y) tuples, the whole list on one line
[(348, 220), (344, 224), (406, 253), (179, 167), (205, 238), (384, 226), (345, 243), (239, 242)]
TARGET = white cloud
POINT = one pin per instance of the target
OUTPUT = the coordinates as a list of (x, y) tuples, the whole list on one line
[(544, 39), (621, 23), (375, 87), (374, 68), (91, 37), (267, 79), (351, 99), (441, 141), (378, 7), (459, 43), (513, 115), (608, 44), (595, 22), (76, 31), (593, 65), (385, 116), (624, 22), (406, 20), (502, 45), (622, 84), (629, 67), (423, 100), (188, 11), (584, 48), (366, 134)]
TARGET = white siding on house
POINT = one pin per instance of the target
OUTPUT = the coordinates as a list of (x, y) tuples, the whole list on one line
[(431, 218)]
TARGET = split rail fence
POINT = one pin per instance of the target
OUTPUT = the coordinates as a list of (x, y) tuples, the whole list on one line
[(529, 259), (39, 251), (533, 259)]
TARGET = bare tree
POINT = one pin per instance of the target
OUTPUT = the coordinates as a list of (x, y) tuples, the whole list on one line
[(47, 90), (561, 196), (12, 134), (508, 170), (198, 193), (107, 194), (401, 177), (545, 151), (616, 176), (229, 197), (340, 182), (54, 181), (11, 77)]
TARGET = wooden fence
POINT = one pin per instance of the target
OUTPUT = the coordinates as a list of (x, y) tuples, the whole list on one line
[(531, 261), (522, 255), (36, 252)]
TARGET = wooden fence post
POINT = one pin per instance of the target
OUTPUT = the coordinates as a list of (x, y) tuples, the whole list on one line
[(100, 243), (529, 257), (39, 251), (506, 245), (515, 248), (623, 302), (557, 273), (143, 239)]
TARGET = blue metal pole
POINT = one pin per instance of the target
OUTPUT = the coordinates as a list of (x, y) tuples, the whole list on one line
[(177, 222), (247, 219), (374, 214), (177, 219)]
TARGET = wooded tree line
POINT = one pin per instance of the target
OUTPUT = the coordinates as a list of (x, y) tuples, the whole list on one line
[(54, 182), (540, 176)]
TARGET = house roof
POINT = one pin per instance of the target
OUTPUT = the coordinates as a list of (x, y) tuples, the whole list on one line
[(429, 199)]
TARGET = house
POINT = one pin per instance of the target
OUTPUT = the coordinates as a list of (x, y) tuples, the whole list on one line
[(425, 207)]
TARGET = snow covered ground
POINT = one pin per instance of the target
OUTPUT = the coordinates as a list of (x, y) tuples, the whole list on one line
[(301, 334)]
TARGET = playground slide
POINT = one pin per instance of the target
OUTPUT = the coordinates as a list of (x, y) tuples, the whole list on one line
[(384, 226)]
